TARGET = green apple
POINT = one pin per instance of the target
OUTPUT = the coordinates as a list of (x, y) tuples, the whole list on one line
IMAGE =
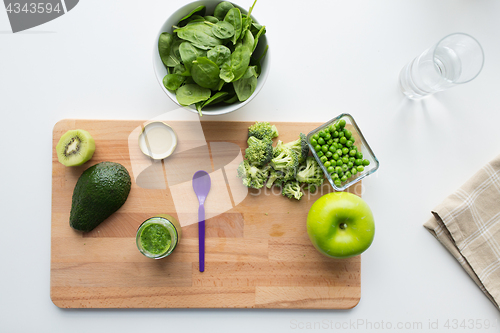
[(340, 225)]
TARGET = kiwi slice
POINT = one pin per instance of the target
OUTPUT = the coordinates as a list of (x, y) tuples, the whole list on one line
[(75, 147)]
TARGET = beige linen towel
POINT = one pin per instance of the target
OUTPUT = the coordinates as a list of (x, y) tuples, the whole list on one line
[(467, 223)]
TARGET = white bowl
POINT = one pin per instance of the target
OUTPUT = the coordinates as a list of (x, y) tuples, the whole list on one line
[(161, 70)]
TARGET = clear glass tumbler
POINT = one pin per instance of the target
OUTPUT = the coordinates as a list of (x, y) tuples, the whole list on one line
[(457, 58)]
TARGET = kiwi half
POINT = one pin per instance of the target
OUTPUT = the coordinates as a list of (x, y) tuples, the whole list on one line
[(75, 147)]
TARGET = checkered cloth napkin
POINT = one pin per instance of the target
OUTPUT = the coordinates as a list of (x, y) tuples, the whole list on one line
[(467, 223)]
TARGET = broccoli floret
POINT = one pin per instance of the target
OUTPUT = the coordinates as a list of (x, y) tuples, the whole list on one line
[(263, 130), (252, 176), (274, 177), (312, 173), (285, 159), (259, 152), (300, 147), (292, 190)]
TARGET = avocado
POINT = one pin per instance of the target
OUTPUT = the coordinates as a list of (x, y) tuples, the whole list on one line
[(99, 192)]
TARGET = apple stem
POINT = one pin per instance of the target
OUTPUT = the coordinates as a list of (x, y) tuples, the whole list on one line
[(343, 226)]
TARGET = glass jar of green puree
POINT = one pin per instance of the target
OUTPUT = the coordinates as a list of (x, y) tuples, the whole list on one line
[(158, 236)]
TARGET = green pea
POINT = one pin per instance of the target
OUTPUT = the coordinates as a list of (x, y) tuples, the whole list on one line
[(348, 174), (348, 143), (350, 164), (352, 159), (341, 123), (358, 161), (352, 152), (328, 136), (316, 136), (338, 169), (339, 162), (331, 128), (329, 142), (324, 148), (321, 141), (320, 153), (339, 152), (323, 159), (347, 133), (359, 155), (343, 178), (328, 154), (326, 129), (322, 134), (337, 182), (344, 167), (360, 168), (354, 171), (336, 156), (352, 139), (314, 142), (345, 159), (340, 146), (330, 169), (336, 140), (333, 148), (345, 151), (343, 140), (326, 163), (317, 147), (334, 175), (335, 134), (366, 162), (341, 134)]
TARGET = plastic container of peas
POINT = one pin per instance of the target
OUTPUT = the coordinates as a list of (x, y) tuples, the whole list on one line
[(342, 152)]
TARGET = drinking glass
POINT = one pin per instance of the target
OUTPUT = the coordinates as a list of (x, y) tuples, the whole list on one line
[(457, 58)]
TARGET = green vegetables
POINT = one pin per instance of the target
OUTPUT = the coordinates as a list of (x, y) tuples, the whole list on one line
[(210, 59), (334, 145), (286, 165)]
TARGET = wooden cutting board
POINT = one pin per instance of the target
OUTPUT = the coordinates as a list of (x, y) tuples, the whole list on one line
[(258, 254)]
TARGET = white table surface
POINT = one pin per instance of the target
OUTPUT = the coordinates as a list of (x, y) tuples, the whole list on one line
[(328, 57)]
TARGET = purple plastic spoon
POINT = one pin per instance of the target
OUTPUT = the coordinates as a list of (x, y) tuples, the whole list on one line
[(201, 186)]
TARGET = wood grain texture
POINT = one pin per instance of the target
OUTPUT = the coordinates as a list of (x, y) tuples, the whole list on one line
[(258, 254)]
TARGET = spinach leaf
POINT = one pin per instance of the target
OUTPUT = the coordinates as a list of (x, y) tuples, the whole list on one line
[(174, 57), (205, 73), (248, 40), (226, 72), (200, 10), (261, 31), (211, 19), (173, 81), (188, 54), (200, 34), (192, 93), (219, 54), (231, 100), (216, 98), (255, 29), (223, 30), (164, 44), (195, 19), (245, 86), (247, 22), (233, 16), (251, 71), (240, 59), (221, 9)]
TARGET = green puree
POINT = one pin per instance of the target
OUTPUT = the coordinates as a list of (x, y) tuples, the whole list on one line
[(155, 239)]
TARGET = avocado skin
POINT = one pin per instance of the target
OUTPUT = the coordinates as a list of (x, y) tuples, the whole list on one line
[(99, 192)]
